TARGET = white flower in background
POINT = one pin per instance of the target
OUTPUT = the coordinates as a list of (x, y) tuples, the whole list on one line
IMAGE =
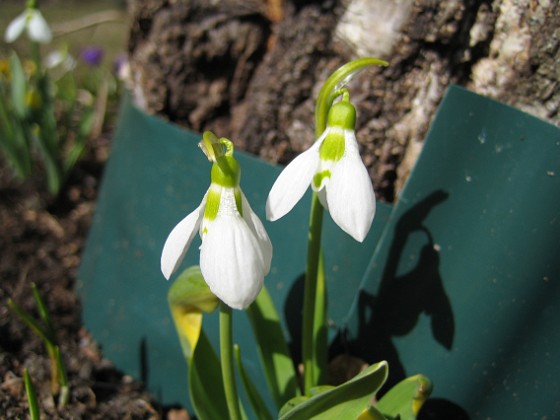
[(333, 168), (31, 21), (236, 252), (60, 58)]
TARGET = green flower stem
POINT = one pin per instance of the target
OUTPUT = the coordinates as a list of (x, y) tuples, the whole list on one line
[(226, 356), (313, 301), (314, 340), (334, 83)]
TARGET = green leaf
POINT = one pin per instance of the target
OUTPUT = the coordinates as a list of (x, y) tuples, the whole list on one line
[(66, 89), (54, 176), (406, 398), (346, 401), (273, 350), (13, 143), (188, 297), (34, 412), (372, 413), (258, 405), (206, 388), (44, 314), (48, 138), (18, 86), (77, 149), (30, 322)]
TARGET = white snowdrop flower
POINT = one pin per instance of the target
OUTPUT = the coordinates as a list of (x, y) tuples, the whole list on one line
[(31, 21), (60, 58), (333, 167), (236, 251)]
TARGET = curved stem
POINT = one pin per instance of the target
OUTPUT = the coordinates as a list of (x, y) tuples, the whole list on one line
[(335, 82), (314, 334), (226, 356)]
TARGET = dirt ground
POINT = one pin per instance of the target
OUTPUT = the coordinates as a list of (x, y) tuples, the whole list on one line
[(41, 242)]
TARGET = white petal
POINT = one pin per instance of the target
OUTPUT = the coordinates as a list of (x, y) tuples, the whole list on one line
[(230, 262), (292, 183), (38, 28), (322, 195), (259, 231), (15, 28), (179, 240), (350, 194), (228, 205)]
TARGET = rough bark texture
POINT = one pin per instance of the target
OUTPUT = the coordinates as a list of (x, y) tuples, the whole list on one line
[(251, 70)]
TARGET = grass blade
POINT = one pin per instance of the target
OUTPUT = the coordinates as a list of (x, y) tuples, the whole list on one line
[(31, 396)]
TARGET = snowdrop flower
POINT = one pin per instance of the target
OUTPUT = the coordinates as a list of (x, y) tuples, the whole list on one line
[(60, 58), (33, 22), (333, 167), (236, 252)]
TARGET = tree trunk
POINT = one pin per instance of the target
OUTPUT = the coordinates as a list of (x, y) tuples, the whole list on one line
[(251, 70)]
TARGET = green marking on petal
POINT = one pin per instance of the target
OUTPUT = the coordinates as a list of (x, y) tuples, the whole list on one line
[(212, 204), (238, 201), (319, 177), (332, 147)]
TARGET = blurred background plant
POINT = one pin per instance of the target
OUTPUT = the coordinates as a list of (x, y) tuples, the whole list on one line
[(56, 92)]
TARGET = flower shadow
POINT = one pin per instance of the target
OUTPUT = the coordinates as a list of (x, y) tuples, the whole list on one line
[(402, 298)]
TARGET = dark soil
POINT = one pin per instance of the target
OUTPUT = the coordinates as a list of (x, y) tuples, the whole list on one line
[(41, 242)]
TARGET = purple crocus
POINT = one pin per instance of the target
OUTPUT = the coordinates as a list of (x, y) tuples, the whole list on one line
[(92, 56)]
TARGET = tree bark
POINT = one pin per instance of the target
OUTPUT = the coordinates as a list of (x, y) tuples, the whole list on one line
[(251, 70)]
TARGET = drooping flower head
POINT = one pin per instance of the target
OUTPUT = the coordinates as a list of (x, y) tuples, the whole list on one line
[(334, 169), (31, 21), (236, 252)]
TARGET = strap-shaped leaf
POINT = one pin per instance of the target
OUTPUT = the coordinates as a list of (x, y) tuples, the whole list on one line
[(206, 389), (257, 403), (188, 297), (18, 88), (346, 401), (34, 411), (406, 398), (273, 350)]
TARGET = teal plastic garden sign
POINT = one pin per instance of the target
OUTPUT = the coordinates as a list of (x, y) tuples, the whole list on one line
[(457, 282)]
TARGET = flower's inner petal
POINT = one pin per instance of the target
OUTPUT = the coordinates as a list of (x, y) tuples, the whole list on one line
[(292, 183), (179, 240), (321, 177), (322, 195), (350, 196), (259, 231), (231, 263)]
